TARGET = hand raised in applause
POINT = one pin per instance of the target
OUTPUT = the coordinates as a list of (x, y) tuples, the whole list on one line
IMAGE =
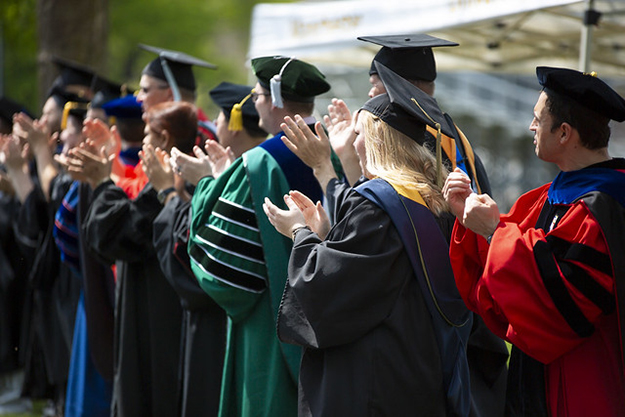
[(35, 132), (212, 163), (340, 124), (301, 211), (102, 136), (313, 150), (157, 167), (14, 153), (88, 163)]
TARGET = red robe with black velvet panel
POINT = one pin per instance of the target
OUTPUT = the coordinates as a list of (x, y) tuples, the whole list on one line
[(503, 283)]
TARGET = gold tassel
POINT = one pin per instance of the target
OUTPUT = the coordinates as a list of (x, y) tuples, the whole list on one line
[(70, 105), (236, 116), (439, 157), (439, 154)]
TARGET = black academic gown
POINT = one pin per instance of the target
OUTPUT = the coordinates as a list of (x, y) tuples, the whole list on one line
[(14, 292), (147, 312), (487, 354), (55, 292), (354, 304), (204, 322), (99, 296)]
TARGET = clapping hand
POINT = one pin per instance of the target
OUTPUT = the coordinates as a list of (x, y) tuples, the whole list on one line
[(301, 212), (213, 162), (157, 167), (88, 163)]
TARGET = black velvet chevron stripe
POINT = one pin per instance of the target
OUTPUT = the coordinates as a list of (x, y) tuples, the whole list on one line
[(236, 214), (234, 244), (227, 274), (588, 286), (578, 252), (558, 292)]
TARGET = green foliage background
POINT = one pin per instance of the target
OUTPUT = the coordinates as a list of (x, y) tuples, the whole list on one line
[(18, 32), (214, 30)]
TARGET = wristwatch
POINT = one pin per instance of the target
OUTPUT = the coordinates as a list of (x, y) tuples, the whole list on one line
[(162, 195)]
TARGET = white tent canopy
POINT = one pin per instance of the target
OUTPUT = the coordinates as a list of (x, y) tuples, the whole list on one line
[(494, 35)]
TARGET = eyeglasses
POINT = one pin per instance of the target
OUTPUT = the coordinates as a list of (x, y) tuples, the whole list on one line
[(255, 95)]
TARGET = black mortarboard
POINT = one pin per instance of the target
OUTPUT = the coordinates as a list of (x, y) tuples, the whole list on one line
[(408, 55), (72, 74), (408, 109), (105, 91), (234, 100), (290, 78), (174, 68), (126, 107), (8, 108), (408, 101), (585, 89)]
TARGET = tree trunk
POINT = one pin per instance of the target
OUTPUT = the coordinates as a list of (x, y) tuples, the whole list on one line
[(72, 29)]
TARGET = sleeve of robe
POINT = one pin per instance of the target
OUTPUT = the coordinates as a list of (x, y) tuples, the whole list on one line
[(118, 228), (225, 246), (171, 228), (511, 283), (339, 289)]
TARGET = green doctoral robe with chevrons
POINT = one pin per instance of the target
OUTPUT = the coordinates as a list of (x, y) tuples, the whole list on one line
[(241, 261)]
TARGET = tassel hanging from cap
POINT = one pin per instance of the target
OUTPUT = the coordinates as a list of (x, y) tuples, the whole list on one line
[(69, 106), (439, 151), (235, 124), (275, 85), (439, 157)]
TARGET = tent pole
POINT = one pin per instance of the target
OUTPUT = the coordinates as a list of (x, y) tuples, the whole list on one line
[(591, 18)]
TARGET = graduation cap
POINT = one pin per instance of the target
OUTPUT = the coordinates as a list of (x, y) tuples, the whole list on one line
[(408, 109), (289, 78), (585, 89), (8, 108), (126, 107), (105, 91), (174, 68), (408, 55), (234, 101), (73, 78)]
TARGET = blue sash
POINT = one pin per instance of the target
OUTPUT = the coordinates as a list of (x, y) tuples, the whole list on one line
[(299, 176)]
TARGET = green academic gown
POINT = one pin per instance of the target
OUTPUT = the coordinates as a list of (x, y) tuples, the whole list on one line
[(241, 261)]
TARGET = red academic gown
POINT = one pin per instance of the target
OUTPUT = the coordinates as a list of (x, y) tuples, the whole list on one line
[(526, 287)]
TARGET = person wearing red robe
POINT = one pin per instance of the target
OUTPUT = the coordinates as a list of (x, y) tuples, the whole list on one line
[(549, 276)]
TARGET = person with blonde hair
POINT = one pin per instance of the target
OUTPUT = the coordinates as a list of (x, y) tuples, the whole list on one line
[(372, 298)]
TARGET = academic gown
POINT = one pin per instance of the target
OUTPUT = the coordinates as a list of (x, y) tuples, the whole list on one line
[(147, 312), (240, 260), (546, 284), (204, 322), (353, 302), (487, 354), (14, 292), (55, 291), (88, 393)]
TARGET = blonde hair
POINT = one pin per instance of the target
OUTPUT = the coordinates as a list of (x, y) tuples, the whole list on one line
[(394, 157)]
